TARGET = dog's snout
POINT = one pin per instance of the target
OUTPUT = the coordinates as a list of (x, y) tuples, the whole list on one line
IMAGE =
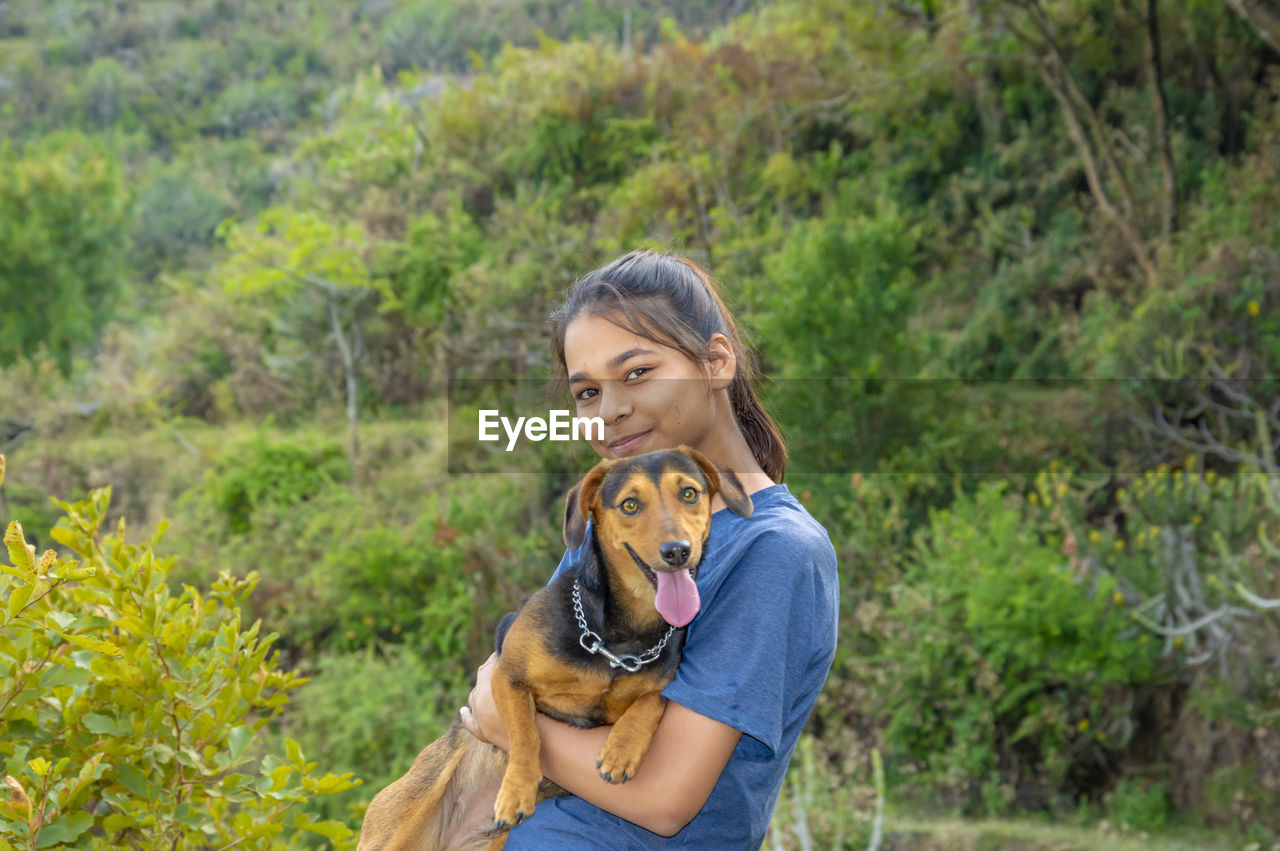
[(675, 553)]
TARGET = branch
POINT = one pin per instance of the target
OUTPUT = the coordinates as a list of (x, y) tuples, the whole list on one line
[(1260, 15), (1090, 115), (1057, 77), (1160, 105)]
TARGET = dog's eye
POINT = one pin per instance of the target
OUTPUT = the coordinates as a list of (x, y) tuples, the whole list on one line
[(630, 505), (689, 495)]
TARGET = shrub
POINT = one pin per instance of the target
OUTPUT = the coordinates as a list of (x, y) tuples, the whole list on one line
[(130, 714), (260, 476), (1004, 666)]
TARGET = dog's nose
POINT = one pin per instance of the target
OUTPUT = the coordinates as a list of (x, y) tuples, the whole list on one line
[(675, 553)]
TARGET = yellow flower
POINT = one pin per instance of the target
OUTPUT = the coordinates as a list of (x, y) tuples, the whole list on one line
[(1210, 476), (1032, 498), (1094, 537), (1253, 307), (1177, 641), (1196, 520), (1117, 598), (1121, 494), (1119, 545), (1140, 538), (1082, 724), (1142, 639)]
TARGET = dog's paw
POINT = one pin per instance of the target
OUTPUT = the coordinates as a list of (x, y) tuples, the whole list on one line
[(513, 806), (617, 764)]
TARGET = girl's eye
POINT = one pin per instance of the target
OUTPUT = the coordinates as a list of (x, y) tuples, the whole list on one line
[(630, 505), (584, 395), (689, 495), (637, 372)]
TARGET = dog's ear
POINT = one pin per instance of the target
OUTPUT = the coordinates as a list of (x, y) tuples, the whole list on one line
[(726, 484), (577, 506)]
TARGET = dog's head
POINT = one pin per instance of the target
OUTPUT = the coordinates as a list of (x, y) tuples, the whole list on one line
[(652, 515)]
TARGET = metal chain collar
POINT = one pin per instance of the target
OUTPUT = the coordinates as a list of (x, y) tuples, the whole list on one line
[(626, 660)]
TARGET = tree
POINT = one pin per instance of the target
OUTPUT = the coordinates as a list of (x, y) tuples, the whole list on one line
[(309, 254), (65, 211)]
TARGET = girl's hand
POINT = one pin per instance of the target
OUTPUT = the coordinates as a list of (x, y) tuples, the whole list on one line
[(480, 715)]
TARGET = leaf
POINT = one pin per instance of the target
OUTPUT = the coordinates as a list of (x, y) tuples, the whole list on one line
[(102, 725), (97, 645), (19, 596), (334, 830), (239, 739), (293, 751), (132, 779), (65, 830), (18, 552), (64, 620), (65, 537)]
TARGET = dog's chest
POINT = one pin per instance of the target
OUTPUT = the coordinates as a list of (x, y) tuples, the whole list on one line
[(577, 696)]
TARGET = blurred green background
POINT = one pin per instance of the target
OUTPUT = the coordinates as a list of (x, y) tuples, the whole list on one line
[(1011, 266)]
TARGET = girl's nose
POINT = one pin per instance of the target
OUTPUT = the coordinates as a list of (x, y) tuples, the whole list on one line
[(613, 405)]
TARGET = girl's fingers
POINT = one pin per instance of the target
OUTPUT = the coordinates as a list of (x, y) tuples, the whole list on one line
[(469, 721)]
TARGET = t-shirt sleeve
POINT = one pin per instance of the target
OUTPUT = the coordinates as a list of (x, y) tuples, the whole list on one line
[(747, 651)]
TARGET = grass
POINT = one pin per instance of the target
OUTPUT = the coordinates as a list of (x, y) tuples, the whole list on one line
[(903, 832)]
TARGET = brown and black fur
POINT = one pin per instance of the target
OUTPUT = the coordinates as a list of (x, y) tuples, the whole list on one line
[(542, 667)]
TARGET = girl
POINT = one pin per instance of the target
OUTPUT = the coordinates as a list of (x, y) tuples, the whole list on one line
[(646, 344)]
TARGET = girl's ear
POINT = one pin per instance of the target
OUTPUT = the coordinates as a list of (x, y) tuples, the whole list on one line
[(577, 505), (726, 484), (722, 365)]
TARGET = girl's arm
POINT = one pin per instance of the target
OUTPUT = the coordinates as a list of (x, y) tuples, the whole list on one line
[(688, 753)]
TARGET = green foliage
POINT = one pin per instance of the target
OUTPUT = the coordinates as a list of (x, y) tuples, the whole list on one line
[(890, 194), (437, 251), (1001, 660), (389, 703), (389, 583), (1138, 805), (835, 318), (175, 215), (66, 213), (259, 478), (130, 714)]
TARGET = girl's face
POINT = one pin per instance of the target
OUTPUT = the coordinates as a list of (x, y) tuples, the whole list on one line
[(650, 396)]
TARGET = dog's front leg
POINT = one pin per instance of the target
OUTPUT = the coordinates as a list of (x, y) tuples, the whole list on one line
[(629, 739), (519, 791)]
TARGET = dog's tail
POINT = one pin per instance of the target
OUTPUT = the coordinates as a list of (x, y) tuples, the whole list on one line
[(444, 801)]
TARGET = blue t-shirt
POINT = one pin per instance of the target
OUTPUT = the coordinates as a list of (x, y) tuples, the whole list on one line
[(755, 658)]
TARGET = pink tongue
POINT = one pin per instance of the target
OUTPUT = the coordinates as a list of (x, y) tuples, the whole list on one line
[(677, 600)]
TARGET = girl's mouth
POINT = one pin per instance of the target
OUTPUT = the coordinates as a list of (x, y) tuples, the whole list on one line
[(629, 442)]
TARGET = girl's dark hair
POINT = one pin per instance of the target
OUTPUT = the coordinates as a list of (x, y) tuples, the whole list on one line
[(673, 302)]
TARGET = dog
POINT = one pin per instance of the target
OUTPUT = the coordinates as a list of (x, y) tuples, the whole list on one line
[(595, 647)]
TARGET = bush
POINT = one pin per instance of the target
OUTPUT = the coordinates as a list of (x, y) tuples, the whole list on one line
[(130, 714), (260, 476), (391, 583), (1007, 674)]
